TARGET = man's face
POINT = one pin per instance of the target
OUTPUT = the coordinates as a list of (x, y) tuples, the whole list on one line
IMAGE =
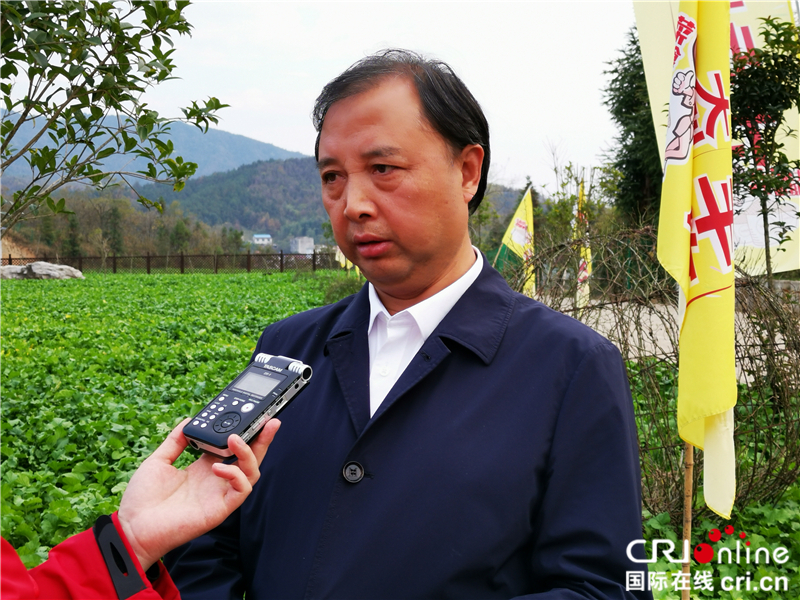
[(395, 194)]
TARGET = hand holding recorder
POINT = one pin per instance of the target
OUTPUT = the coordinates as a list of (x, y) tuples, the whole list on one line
[(164, 507)]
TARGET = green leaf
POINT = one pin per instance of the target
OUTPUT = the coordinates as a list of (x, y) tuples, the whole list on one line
[(85, 466), (105, 153)]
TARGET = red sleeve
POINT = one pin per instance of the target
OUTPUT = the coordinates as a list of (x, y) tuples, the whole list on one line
[(75, 569), (164, 587)]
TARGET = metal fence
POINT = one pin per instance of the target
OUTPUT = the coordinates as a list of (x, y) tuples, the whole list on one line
[(188, 263)]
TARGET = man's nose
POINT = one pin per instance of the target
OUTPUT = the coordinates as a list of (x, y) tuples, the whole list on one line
[(359, 200)]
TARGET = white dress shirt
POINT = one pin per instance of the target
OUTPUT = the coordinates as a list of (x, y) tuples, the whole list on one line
[(395, 339)]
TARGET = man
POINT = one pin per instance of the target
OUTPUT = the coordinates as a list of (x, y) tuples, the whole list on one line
[(458, 440)]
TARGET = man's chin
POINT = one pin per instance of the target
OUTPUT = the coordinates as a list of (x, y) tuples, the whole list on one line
[(385, 276)]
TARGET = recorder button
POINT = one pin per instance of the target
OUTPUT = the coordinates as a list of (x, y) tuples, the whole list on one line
[(353, 472), (246, 408), (227, 422)]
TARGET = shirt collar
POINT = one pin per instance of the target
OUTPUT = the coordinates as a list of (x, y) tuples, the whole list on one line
[(430, 312), (477, 322)]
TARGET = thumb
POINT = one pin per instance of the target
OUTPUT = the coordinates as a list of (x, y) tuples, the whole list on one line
[(172, 447)]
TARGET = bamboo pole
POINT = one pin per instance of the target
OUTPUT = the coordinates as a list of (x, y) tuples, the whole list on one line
[(688, 484)]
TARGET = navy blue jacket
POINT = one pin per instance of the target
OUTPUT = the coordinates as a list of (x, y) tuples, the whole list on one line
[(504, 462)]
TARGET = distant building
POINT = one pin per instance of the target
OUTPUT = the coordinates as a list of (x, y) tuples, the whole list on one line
[(262, 239), (301, 245)]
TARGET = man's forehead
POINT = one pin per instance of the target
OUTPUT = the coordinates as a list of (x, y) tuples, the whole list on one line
[(380, 82), (392, 101), (378, 152), (392, 86)]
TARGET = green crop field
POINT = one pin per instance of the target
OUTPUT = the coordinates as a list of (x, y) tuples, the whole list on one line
[(96, 372)]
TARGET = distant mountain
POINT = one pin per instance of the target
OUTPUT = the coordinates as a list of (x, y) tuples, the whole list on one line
[(218, 151), (279, 197), (214, 152), (504, 199)]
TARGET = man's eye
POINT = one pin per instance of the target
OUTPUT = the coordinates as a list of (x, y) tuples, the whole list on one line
[(328, 177), (383, 169)]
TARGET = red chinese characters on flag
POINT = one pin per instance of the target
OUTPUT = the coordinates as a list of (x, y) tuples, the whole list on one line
[(716, 107), (689, 224), (714, 222), (795, 189), (583, 271), (741, 38), (685, 28)]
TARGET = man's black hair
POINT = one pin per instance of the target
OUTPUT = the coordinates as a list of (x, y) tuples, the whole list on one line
[(447, 103)]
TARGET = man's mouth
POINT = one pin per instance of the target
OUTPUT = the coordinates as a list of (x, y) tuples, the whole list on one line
[(371, 246)]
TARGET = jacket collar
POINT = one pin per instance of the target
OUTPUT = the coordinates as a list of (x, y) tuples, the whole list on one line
[(355, 316), (477, 321)]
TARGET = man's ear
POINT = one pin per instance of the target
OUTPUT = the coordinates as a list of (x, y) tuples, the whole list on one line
[(471, 161)]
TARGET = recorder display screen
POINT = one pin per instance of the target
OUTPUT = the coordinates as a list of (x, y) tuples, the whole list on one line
[(254, 383)]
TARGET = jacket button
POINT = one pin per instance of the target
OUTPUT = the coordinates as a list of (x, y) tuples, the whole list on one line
[(353, 472)]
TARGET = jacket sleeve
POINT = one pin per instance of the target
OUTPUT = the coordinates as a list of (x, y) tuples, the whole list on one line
[(75, 569), (591, 509), (209, 566)]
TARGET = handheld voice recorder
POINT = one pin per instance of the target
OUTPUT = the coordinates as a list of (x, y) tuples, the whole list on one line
[(259, 393)]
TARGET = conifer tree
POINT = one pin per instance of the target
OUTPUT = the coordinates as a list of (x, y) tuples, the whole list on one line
[(634, 160)]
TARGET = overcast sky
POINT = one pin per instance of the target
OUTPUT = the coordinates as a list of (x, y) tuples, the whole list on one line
[(535, 67)]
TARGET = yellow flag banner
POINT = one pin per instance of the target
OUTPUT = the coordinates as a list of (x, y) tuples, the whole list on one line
[(695, 239), (656, 23), (519, 238), (340, 258), (344, 262), (581, 232)]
